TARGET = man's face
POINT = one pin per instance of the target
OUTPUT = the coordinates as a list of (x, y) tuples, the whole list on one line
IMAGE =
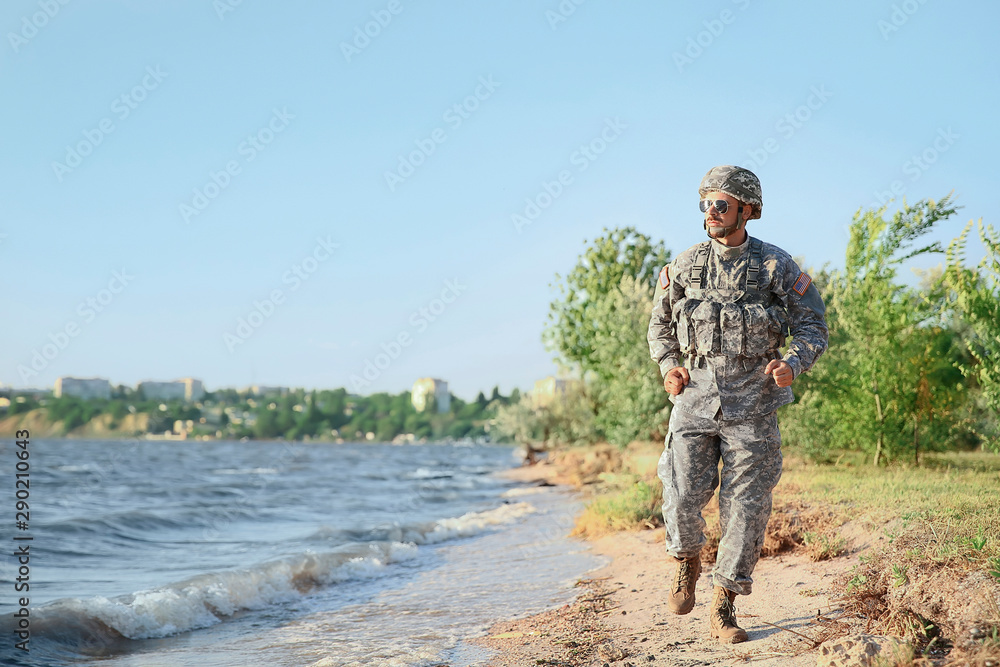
[(715, 221)]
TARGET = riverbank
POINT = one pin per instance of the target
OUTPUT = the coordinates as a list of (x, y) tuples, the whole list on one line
[(818, 571)]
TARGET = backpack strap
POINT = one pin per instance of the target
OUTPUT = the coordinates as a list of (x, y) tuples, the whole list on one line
[(756, 260), (698, 268)]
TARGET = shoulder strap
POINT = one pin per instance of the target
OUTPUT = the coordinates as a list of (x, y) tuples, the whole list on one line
[(698, 269), (753, 268)]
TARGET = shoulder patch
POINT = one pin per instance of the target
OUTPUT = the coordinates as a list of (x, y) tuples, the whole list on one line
[(802, 283), (665, 277)]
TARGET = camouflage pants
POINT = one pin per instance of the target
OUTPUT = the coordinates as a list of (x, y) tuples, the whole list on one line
[(750, 451)]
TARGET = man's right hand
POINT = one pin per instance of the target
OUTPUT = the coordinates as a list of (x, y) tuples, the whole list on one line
[(676, 379)]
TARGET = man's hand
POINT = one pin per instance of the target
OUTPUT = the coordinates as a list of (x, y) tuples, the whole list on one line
[(781, 372), (675, 379)]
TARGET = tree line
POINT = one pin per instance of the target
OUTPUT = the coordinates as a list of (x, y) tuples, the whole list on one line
[(293, 415), (908, 369)]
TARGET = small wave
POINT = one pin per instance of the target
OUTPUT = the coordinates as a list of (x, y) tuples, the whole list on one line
[(101, 625), (87, 467), (476, 522), (98, 625), (139, 525), (424, 473), (118, 523), (245, 471), (431, 532), (524, 491)]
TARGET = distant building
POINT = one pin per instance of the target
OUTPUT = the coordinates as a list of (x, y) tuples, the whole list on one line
[(265, 390), (550, 390), (161, 391), (186, 389), (194, 390), (426, 390), (82, 387)]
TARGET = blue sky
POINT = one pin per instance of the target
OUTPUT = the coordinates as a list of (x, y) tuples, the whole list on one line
[(171, 168)]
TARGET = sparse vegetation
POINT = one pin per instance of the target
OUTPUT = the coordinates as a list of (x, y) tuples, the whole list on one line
[(927, 575)]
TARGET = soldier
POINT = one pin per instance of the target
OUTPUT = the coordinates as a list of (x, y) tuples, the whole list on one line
[(721, 313)]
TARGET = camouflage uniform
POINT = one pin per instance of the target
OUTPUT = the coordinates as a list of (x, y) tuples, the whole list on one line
[(727, 326)]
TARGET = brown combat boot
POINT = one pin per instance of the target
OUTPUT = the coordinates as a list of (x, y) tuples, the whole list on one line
[(681, 600), (723, 618)]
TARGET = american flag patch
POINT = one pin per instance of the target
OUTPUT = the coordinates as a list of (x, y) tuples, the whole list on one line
[(802, 284), (665, 277)]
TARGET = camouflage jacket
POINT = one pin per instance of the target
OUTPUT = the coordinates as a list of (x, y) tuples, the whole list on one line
[(725, 331)]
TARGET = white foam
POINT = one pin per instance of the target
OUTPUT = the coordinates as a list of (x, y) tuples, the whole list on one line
[(476, 522), (205, 600), (525, 491)]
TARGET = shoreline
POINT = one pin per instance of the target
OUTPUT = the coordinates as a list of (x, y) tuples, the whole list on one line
[(620, 614)]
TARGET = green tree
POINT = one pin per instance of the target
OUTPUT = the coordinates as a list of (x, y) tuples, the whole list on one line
[(459, 428), (883, 376), (27, 404), (977, 300), (568, 420), (633, 404), (573, 317), (267, 425)]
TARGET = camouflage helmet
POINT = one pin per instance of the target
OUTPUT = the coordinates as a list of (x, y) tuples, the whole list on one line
[(736, 182)]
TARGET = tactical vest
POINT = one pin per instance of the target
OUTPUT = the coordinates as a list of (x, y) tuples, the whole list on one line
[(744, 323)]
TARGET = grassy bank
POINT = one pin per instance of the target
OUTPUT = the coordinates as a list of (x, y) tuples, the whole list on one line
[(930, 567), (953, 500)]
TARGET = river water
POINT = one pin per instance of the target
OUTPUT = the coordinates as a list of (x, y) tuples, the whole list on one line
[(269, 553)]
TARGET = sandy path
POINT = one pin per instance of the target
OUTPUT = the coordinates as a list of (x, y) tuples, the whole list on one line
[(626, 606)]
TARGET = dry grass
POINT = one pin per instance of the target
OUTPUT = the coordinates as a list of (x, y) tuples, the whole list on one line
[(926, 583), (934, 576), (628, 496), (582, 466)]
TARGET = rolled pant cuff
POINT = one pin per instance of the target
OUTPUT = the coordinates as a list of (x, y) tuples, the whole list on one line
[(738, 587)]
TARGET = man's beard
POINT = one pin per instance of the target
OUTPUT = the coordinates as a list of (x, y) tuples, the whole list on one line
[(720, 232)]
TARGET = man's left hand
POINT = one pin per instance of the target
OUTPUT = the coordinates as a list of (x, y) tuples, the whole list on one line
[(781, 372)]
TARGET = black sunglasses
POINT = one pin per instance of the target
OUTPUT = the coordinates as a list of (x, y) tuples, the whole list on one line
[(721, 205)]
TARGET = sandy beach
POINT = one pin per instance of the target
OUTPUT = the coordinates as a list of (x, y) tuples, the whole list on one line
[(620, 616)]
